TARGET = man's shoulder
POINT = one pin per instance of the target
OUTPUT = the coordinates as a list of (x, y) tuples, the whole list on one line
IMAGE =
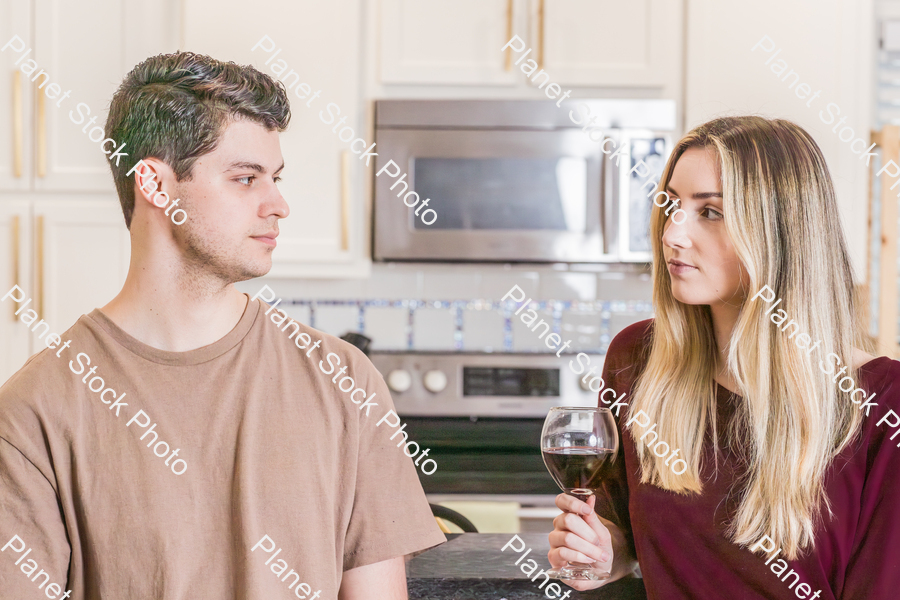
[(39, 376), (39, 398)]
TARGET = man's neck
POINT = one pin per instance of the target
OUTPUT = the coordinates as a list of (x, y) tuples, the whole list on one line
[(174, 313)]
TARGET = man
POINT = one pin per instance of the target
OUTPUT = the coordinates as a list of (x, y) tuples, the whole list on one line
[(178, 444)]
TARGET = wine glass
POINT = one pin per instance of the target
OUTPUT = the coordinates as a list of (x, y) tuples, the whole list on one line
[(579, 445)]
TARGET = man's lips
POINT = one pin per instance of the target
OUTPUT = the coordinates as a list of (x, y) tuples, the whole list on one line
[(268, 238)]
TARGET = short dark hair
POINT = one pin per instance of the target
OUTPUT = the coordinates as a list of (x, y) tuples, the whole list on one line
[(174, 107)]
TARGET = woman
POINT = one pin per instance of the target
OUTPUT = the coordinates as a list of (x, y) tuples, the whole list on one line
[(788, 488)]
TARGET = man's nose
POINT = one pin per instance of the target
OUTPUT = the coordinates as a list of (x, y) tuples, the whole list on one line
[(277, 205)]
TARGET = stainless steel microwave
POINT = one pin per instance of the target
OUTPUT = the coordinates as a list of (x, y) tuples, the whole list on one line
[(519, 180)]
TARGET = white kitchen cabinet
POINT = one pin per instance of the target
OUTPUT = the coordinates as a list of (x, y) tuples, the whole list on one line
[(68, 256), (15, 258), (610, 42), (66, 159), (15, 99), (589, 43), (326, 233), (56, 154), (444, 42), (82, 250)]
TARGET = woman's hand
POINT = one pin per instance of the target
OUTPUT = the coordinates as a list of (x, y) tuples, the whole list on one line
[(579, 536)]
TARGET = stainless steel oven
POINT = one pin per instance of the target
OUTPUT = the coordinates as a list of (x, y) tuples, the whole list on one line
[(481, 415), (517, 181)]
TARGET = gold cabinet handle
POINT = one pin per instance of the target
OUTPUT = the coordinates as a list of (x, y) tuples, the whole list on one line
[(540, 32), (509, 32), (41, 133), (39, 266), (15, 257), (345, 200), (18, 120)]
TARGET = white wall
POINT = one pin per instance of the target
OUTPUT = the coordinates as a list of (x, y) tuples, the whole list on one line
[(830, 43)]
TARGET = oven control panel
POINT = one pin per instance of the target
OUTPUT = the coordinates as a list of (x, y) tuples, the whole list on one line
[(510, 381), (486, 385)]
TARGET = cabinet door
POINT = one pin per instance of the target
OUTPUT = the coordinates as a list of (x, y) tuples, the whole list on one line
[(325, 234), (456, 42), (82, 250), (610, 42), (90, 68), (15, 97), (15, 244)]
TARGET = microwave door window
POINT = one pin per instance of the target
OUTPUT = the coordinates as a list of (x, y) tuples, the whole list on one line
[(504, 193)]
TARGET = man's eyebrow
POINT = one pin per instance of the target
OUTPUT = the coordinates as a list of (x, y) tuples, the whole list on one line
[(237, 166), (698, 195)]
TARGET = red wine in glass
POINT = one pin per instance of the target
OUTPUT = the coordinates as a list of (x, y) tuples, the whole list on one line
[(578, 470), (579, 446)]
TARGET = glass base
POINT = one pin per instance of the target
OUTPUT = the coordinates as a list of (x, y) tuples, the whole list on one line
[(578, 572)]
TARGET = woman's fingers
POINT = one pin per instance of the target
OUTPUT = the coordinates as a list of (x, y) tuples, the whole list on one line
[(575, 539), (568, 522), (597, 526), (580, 537), (567, 546), (572, 504)]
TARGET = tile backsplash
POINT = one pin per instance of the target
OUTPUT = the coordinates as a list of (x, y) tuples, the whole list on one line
[(459, 308)]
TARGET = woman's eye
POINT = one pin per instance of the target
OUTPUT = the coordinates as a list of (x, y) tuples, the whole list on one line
[(249, 179), (712, 213), (277, 179)]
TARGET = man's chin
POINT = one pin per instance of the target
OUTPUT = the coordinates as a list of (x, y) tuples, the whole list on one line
[(254, 270)]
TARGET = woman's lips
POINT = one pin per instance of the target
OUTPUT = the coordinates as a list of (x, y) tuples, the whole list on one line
[(679, 268)]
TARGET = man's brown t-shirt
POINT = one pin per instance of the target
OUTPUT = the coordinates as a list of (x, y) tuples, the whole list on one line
[(95, 495)]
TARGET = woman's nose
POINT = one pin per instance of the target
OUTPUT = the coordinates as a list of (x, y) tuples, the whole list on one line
[(677, 234)]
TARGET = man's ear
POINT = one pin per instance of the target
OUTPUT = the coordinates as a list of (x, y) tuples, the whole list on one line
[(152, 179)]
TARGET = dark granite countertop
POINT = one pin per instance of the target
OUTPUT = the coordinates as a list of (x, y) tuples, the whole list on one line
[(471, 566)]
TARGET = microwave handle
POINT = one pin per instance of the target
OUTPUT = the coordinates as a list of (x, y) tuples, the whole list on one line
[(611, 190)]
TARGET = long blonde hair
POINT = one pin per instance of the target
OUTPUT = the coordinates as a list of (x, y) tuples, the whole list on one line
[(782, 218)]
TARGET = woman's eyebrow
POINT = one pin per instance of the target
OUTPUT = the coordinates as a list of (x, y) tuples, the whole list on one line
[(697, 195)]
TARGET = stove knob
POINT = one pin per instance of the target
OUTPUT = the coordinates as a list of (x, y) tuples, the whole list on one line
[(435, 381), (399, 380), (585, 384)]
